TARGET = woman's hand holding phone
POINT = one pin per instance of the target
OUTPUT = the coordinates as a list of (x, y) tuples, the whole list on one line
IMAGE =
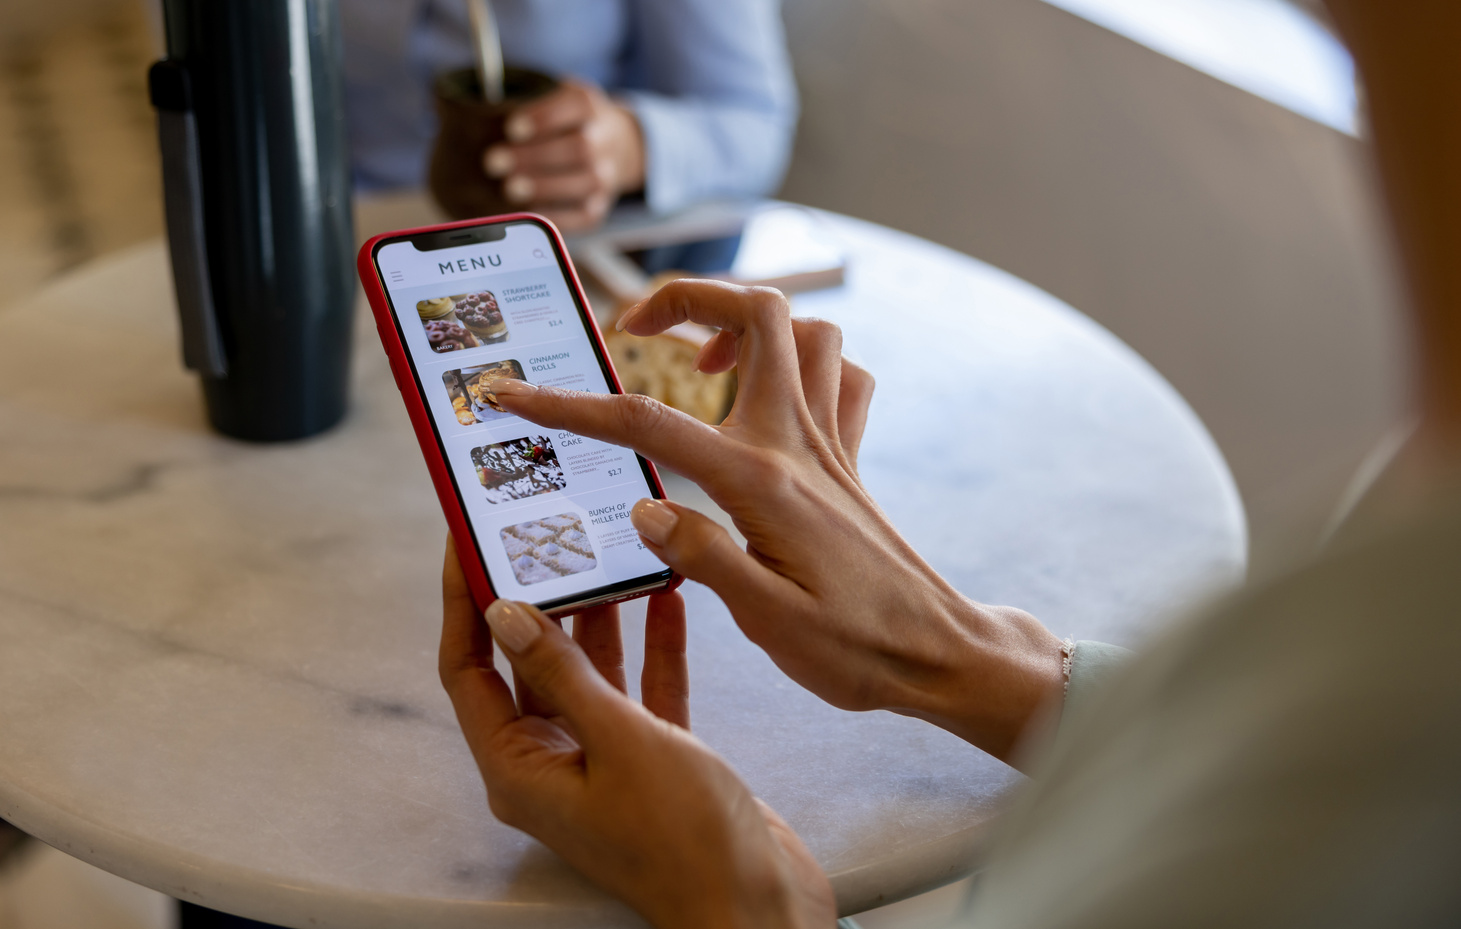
[(827, 586), (620, 790)]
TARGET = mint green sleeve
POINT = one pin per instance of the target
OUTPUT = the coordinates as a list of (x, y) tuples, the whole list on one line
[(1091, 665)]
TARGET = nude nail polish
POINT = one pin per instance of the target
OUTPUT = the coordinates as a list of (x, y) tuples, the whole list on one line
[(626, 316), (699, 357), (654, 520), (510, 387), (512, 625)]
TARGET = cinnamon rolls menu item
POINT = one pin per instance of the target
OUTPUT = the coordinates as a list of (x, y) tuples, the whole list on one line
[(470, 392), (462, 407), (479, 386)]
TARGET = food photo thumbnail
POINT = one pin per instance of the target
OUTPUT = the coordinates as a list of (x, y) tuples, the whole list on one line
[(462, 321), (467, 388), (518, 468), (546, 549)]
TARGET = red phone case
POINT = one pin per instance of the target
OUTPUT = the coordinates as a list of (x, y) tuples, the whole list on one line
[(451, 506)]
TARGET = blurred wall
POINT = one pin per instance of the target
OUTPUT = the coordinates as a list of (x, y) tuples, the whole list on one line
[(1236, 245)]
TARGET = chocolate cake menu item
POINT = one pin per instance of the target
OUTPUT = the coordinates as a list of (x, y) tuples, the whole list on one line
[(444, 335), (479, 312), (544, 549), (518, 469), (661, 367)]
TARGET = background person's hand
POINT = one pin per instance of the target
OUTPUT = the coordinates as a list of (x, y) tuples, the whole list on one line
[(620, 791), (569, 156), (827, 586)]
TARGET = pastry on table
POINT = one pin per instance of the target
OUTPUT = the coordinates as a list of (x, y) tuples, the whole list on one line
[(660, 366)]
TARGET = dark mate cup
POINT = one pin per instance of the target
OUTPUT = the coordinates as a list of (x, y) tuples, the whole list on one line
[(468, 126), (257, 194)]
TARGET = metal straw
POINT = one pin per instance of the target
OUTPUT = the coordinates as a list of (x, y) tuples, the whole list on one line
[(488, 44)]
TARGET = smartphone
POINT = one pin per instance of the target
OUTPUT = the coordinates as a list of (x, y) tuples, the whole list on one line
[(538, 515)]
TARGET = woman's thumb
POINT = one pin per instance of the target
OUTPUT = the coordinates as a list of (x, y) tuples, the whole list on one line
[(553, 666), (700, 549)]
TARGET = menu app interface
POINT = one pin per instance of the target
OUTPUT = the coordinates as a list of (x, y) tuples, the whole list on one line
[(550, 509)]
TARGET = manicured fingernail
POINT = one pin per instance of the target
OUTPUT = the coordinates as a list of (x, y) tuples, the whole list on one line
[(510, 387), (518, 189), (519, 128), (626, 316), (512, 624), (499, 161), (654, 520)]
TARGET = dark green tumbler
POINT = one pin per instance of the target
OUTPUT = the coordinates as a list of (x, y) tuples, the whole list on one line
[(256, 182)]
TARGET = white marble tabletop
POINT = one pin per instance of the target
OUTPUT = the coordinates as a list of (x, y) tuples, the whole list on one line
[(217, 660)]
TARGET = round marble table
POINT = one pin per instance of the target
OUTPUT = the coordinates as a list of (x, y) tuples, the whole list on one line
[(217, 660)]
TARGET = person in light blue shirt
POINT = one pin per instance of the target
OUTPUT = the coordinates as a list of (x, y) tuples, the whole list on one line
[(678, 100)]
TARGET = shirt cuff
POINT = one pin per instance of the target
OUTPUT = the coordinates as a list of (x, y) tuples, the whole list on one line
[(695, 151), (666, 186)]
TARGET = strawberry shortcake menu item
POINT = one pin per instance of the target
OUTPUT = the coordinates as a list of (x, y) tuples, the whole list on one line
[(479, 313), (461, 321), (447, 335)]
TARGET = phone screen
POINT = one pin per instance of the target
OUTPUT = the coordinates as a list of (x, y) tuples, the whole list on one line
[(549, 509)]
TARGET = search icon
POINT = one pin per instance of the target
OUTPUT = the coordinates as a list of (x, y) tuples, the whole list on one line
[(538, 253)]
